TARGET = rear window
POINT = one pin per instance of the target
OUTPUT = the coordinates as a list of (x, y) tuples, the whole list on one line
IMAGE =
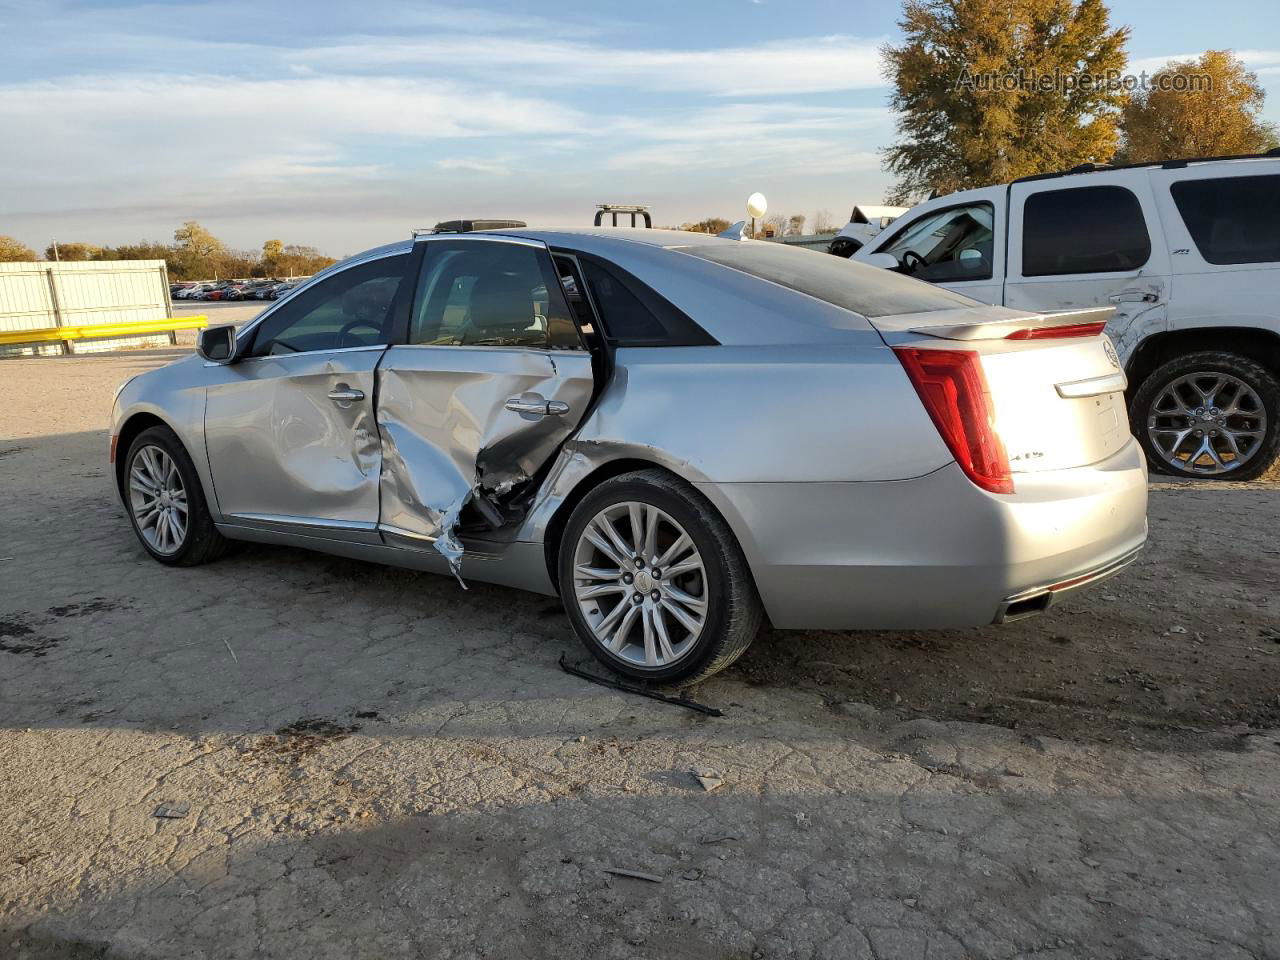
[(1083, 230), (1232, 219), (869, 291)]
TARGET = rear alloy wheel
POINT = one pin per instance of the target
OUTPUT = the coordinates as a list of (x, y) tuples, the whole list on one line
[(654, 582), (1209, 415)]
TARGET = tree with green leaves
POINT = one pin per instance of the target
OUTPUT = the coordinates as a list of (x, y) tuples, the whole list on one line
[(11, 251), (1208, 107), (990, 90)]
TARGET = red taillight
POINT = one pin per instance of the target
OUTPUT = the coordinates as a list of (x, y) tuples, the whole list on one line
[(1056, 333), (954, 391), (111, 456)]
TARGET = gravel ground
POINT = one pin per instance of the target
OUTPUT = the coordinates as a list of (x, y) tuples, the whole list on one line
[(360, 762)]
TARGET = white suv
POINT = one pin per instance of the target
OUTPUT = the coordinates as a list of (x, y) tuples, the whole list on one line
[(1187, 251)]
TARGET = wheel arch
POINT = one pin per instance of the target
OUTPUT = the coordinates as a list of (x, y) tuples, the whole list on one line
[(554, 528), (1256, 344), (132, 426)]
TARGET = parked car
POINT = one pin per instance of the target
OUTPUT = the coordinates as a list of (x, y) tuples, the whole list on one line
[(677, 433), (1188, 253), (864, 224)]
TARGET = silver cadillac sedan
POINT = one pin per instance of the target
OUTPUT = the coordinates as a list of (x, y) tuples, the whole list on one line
[(678, 434)]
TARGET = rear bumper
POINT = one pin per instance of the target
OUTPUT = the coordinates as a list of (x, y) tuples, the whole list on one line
[(935, 551), (1039, 599)]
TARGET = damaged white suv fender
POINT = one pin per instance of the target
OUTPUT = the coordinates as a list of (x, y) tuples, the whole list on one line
[(677, 434)]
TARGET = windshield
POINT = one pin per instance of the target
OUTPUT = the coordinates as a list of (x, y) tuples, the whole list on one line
[(865, 290)]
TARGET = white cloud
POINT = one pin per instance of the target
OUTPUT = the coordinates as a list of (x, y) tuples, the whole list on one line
[(491, 168), (783, 67)]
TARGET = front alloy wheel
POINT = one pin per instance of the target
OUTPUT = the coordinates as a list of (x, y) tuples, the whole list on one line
[(161, 490), (1211, 415), (158, 499), (654, 581)]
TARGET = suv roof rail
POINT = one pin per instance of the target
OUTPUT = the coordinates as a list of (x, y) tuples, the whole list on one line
[(630, 209), (1175, 164)]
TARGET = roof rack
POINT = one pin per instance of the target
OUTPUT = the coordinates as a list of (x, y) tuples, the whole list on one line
[(1176, 164), (632, 209)]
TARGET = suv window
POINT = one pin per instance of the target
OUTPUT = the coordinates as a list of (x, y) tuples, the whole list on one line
[(1083, 230), (490, 293), (865, 290), (1232, 219), (351, 308), (948, 245)]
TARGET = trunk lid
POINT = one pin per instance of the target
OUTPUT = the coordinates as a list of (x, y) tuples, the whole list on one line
[(1056, 389)]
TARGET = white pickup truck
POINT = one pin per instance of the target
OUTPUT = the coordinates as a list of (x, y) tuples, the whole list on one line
[(1188, 253)]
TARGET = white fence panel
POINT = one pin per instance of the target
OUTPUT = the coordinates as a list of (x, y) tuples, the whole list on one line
[(35, 296)]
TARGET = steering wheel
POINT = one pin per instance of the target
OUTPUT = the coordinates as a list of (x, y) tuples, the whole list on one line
[(911, 261), (354, 324)]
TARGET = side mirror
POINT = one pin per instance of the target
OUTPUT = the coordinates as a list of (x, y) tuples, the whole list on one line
[(217, 344), (886, 261)]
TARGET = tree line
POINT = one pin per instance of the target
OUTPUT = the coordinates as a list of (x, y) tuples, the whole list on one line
[(775, 225), (194, 254)]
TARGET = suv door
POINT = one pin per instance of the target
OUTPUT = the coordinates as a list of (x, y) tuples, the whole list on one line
[(290, 429), (1092, 244), (492, 378)]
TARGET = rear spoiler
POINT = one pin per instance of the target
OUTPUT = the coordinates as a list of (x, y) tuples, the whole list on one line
[(1025, 328)]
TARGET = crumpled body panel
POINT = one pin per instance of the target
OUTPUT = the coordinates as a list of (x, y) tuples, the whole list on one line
[(280, 447), (447, 434)]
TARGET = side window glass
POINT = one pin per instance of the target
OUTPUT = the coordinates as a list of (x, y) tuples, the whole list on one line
[(489, 293), (1232, 219), (949, 245), (1083, 230), (351, 308), (624, 316)]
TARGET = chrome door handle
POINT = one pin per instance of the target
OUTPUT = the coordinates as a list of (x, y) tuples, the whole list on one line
[(1133, 296), (535, 406), (343, 395)]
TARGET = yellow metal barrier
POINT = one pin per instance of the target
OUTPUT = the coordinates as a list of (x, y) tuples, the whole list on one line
[(98, 331)]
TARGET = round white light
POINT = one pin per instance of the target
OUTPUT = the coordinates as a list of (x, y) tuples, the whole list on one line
[(757, 205)]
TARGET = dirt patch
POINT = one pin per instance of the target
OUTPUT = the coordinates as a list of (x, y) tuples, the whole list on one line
[(304, 737), (19, 637), (88, 608)]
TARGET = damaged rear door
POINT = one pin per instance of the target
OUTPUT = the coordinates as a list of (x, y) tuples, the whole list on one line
[(490, 379)]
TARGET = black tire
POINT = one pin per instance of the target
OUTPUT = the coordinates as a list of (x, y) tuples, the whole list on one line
[(734, 612), (203, 543), (1143, 414)]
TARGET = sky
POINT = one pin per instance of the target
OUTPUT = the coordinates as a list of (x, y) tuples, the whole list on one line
[(343, 125)]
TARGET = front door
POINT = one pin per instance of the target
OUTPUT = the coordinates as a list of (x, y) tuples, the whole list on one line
[(492, 379), (953, 247), (290, 430)]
